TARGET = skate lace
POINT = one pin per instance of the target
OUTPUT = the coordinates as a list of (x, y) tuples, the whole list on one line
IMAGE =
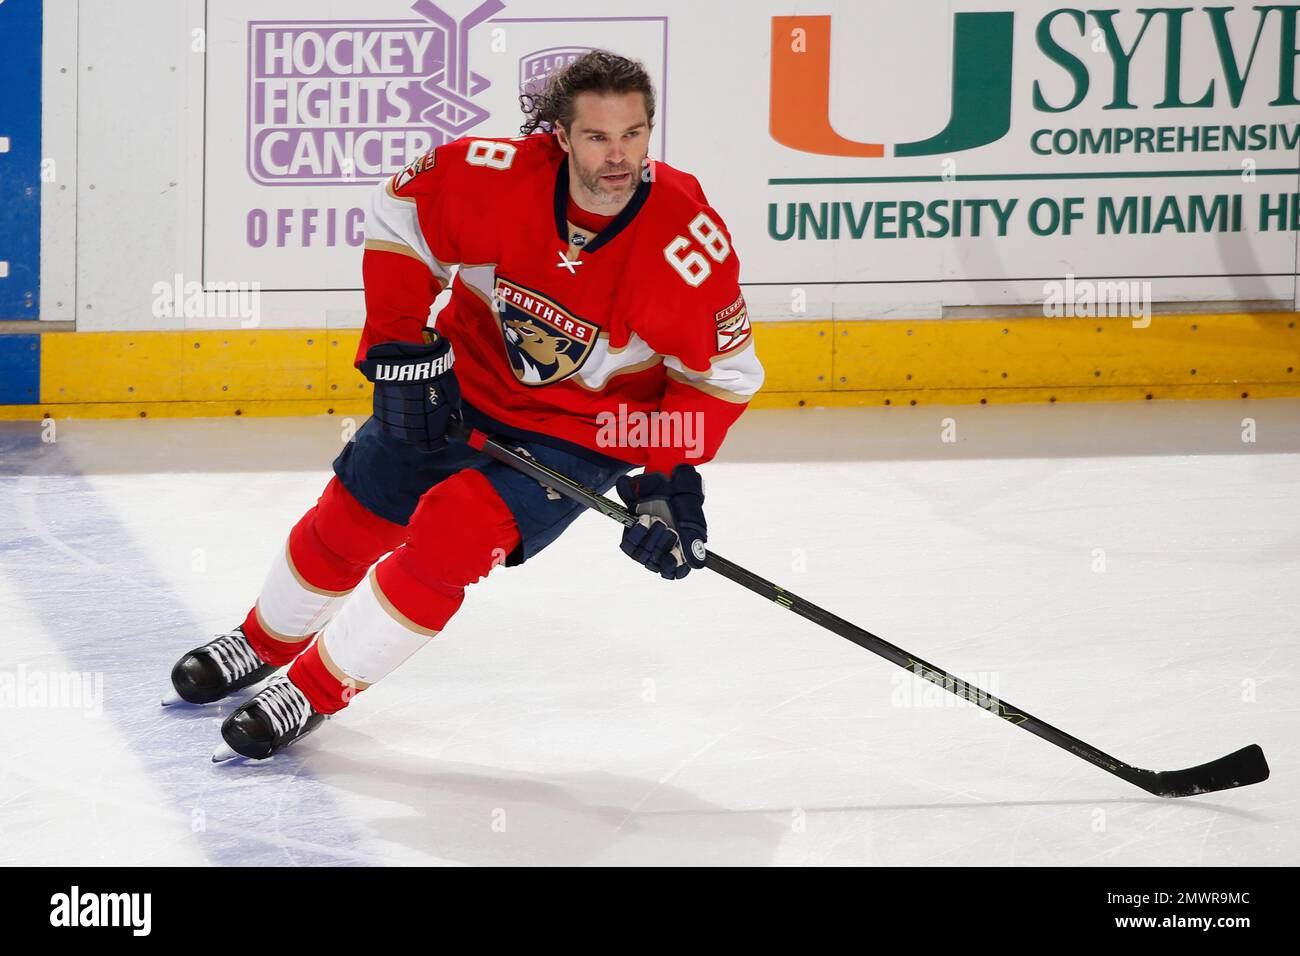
[(285, 706), (234, 655)]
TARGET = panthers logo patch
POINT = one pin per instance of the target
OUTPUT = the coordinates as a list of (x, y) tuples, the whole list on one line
[(733, 325), (414, 169), (544, 343)]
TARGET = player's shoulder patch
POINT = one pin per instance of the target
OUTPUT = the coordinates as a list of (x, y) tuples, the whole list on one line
[(424, 163), (733, 325)]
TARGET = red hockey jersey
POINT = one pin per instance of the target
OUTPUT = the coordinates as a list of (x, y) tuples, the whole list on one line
[(633, 342)]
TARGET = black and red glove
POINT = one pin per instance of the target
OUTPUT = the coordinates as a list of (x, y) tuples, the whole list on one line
[(416, 392)]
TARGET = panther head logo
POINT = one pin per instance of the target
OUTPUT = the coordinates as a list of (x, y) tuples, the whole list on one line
[(544, 343)]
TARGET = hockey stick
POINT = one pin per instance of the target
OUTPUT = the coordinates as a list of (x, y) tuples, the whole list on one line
[(1239, 769)]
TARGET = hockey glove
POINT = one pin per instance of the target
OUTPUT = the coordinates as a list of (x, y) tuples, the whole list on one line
[(416, 392), (670, 531)]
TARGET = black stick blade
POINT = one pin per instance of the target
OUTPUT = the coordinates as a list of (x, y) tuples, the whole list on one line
[(1239, 769)]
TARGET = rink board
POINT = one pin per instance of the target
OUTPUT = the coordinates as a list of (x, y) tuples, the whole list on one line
[(829, 363)]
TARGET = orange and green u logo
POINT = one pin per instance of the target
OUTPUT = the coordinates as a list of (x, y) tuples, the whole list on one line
[(981, 88)]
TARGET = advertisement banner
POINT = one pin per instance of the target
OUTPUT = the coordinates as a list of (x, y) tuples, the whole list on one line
[(306, 114), (872, 158)]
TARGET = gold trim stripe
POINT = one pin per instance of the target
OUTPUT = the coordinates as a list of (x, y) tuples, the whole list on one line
[(276, 635), (394, 613), (303, 583), (625, 370), (335, 671), (749, 344), (389, 190), (708, 389), (401, 248)]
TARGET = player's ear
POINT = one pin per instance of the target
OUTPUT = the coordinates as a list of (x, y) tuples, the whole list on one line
[(562, 136)]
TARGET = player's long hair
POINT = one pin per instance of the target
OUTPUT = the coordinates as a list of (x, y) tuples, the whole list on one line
[(596, 72)]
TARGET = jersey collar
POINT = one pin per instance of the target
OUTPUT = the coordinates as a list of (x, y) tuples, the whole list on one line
[(609, 232)]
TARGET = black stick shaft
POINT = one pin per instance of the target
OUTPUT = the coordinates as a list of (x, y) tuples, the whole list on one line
[(1146, 779)]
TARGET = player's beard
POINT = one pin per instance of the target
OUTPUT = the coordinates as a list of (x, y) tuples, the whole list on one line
[(603, 193)]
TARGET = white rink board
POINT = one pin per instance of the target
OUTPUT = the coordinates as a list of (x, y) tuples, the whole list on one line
[(890, 67)]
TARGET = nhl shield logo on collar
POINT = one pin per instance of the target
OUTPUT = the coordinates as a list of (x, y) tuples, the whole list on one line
[(545, 343)]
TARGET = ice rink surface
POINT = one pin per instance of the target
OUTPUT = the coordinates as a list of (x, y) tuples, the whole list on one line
[(1130, 573)]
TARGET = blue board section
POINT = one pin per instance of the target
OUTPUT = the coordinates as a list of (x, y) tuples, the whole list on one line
[(20, 164), (20, 368)]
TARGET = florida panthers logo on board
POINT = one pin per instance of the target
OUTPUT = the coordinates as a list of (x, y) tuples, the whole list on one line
[(536, 68), (544, 342)]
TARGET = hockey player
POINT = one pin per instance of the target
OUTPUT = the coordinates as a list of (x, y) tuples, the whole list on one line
[(595, 287)]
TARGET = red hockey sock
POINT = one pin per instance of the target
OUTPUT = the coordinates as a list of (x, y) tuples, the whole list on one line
[(337, 541), (461, 531), (270, 649), (326, 692), (330, 549)]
